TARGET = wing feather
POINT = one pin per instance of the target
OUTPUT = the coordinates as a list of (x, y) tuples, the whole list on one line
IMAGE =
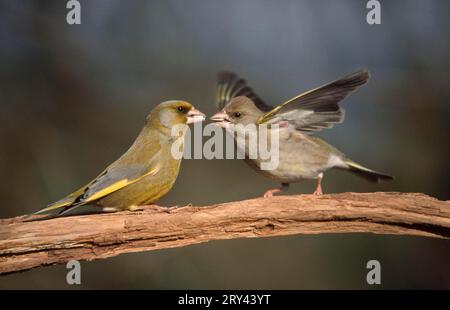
[(115, 180), (109, 181), (317, 108), (230, 85)]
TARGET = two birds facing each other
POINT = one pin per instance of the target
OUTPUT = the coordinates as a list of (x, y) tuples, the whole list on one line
[(147, 170)]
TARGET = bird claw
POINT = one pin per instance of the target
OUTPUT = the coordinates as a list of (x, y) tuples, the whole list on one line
[(135, 208), (271, 192), (169, 210), (142, 208), (318, 191)]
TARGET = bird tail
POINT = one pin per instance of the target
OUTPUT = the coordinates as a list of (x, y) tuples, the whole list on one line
[(368, 174), (65, 204), (62, 205)]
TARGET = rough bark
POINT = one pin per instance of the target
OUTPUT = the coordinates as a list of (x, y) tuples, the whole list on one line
[(28, 244)]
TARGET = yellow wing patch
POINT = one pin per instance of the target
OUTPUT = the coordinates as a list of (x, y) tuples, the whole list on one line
[(69, 199), (112, 188), (118, 185), (269, 114)]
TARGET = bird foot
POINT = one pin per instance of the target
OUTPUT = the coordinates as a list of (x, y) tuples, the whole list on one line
[(271, 192), (142, 208), (159, 208), (169, 210), (318, 191), (135, 208)]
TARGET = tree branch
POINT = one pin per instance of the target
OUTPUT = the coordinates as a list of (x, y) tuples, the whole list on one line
[(25, 245)]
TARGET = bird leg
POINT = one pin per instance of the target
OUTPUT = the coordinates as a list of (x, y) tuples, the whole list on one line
[(172, 209), (159, 208), (271, 192), (318, 190)]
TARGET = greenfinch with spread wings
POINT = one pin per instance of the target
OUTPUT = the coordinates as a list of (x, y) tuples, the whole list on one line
[(301, 155)]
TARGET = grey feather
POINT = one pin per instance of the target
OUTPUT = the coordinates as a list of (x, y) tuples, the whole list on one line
[(318, 108), (109, 177), (230, 85)]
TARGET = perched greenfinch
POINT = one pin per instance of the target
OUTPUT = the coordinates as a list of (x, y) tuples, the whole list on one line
[(147, 170), (301, 155)]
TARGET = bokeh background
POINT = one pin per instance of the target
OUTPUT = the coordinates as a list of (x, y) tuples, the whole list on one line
[(73, 98)]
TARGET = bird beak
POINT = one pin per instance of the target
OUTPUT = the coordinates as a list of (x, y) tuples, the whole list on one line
[(194, 116), (221, 119)]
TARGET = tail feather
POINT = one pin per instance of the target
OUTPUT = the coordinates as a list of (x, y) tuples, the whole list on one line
[(64, 204), (368, 174)]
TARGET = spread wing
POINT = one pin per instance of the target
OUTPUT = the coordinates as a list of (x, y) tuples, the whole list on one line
[(112, 179), (318, 108), (230, 85)]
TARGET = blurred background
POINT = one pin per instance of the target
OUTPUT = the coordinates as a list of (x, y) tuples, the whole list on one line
[(74, 97)]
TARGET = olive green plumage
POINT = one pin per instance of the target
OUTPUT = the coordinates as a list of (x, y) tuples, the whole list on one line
[(301, 155), (147, 170)]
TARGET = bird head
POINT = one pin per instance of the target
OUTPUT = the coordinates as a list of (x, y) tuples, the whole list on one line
[(174, 112), (240, 110)]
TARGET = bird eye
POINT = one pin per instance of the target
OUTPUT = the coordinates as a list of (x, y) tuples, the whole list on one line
[(180, 108), (237, 114)]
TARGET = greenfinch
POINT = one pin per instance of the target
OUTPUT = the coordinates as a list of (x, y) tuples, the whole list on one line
[(301, 155), (147, 170)]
